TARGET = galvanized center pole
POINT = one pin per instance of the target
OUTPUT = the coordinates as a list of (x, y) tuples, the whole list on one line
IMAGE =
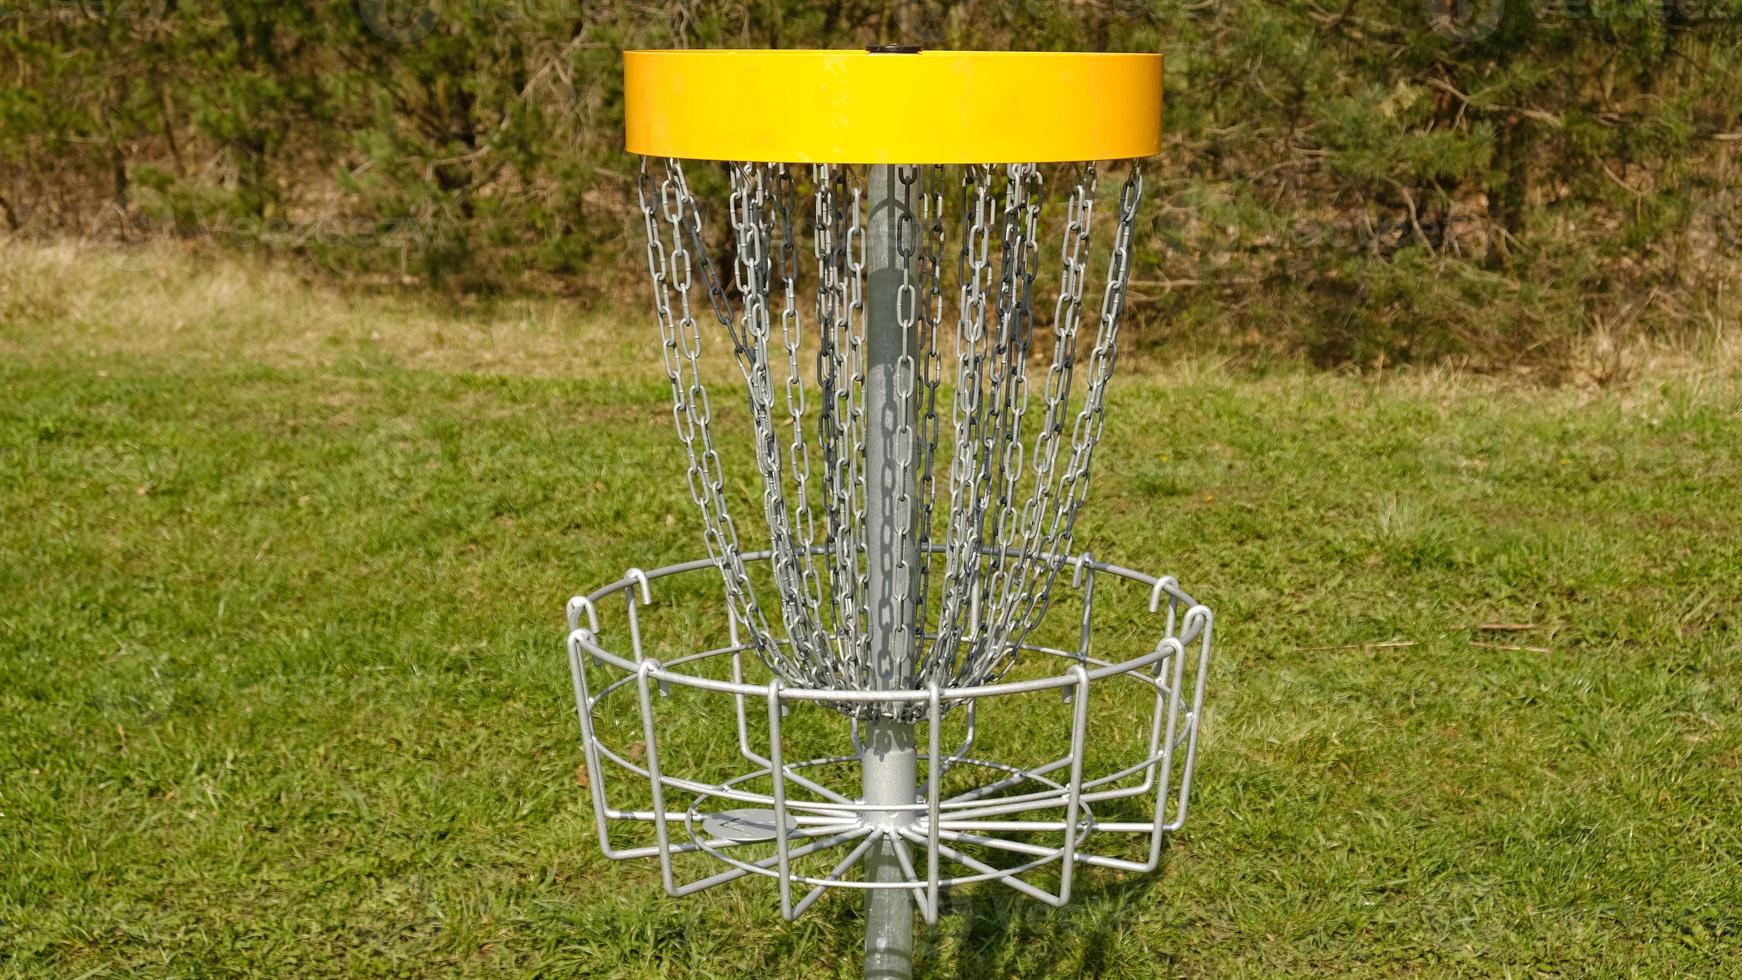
[(890, 760)]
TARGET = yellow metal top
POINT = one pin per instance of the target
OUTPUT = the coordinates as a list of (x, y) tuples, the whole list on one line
[(863, 107)]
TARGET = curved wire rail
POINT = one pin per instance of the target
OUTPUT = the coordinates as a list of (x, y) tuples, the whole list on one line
[(1039, 815)]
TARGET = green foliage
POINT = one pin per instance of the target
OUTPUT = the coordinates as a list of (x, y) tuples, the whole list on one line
[(477, 145)]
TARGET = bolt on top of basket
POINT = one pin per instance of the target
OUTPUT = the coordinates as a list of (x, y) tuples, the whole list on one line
[(913, 273)]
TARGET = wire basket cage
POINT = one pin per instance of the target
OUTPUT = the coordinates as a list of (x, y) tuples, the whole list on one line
[(1109, 775)]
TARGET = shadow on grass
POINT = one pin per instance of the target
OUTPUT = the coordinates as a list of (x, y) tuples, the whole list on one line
[(990, 930)]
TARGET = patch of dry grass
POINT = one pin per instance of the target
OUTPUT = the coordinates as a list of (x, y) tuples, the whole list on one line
[(160, 300)]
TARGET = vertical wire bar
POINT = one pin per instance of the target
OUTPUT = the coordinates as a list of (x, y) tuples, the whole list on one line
[(1086, 576), (1074, 794), (590, 746), (634, 627), (1185, 788), (1159, 763), (967, 736), (739, 710), (661, 830), (636, 575), (1165, 774), (777, 767), (933, 797), (1170, 744), (1162, 692)]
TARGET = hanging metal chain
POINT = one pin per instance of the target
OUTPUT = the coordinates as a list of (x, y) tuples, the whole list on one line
[(804, 525), (931, 315), (1036, 540), (1012, 492), (957, 610), (752, 219), (907, 314), (855, 503), (839, 250), (671, 270), (1090, 421), (830, 380), (1004, 445)]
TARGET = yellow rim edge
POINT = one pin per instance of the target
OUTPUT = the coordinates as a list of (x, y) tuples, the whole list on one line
[(859, 107)]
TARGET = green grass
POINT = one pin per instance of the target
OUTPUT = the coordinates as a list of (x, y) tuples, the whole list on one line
[(282, 690)]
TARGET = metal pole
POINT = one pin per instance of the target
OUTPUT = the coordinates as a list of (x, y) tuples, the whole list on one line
[(890, 760)]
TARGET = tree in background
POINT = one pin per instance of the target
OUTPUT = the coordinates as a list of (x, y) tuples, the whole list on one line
[(1361, 181)]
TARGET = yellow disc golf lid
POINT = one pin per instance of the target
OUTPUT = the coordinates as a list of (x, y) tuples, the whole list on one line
[(892, 106)]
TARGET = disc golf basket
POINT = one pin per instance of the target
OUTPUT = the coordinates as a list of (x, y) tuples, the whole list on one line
[(864, 689)]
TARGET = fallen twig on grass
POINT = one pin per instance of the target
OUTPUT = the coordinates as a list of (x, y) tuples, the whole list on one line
[(1510, 647)]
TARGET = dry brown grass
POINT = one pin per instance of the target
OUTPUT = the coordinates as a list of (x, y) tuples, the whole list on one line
[(161, 300), (158, 300)]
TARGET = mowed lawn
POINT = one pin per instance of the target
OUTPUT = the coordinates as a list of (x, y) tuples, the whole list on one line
[(282, 689)]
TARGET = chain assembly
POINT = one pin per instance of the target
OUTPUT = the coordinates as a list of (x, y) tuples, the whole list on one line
[(988, 490)]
